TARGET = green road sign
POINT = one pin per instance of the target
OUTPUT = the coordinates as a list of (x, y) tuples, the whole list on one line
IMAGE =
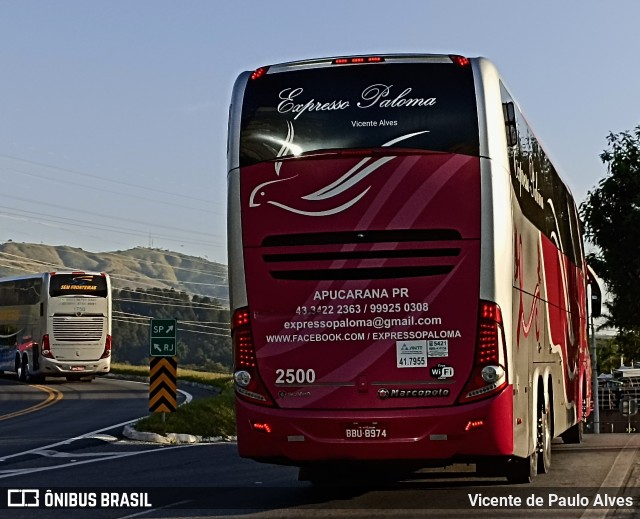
[(162, 338)]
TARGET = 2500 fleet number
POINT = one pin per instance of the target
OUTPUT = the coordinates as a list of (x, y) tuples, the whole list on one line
[(295, 376)]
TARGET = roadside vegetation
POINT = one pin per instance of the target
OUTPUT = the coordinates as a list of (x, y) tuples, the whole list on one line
[(611, 217), (211, 417)]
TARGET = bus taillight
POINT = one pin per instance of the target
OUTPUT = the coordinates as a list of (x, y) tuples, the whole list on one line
[(46, 347), (358, 59), (259, 72), (461, 61), (489, 375), (107, 348), (249, 387)]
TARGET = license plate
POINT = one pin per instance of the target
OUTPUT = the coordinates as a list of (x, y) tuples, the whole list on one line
[(373, 431), (77, 368)]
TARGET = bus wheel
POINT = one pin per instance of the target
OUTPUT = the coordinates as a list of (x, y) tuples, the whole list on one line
[(522, 470), (317, 476), (543, 446), (573, 434), (24, 371), (18, 368)]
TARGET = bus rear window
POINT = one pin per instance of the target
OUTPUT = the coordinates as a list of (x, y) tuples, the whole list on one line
[(77, 284), (430, 107)]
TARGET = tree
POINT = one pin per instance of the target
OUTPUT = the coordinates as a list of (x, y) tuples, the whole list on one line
[(611, 214), (203, 341)]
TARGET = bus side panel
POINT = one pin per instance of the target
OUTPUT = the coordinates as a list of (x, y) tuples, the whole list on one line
[(528, 337), (566, 294), (548, 330)]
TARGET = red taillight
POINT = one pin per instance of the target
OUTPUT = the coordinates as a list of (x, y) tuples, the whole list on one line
[(358, 59), (489, 374), (46, 347), (107, 348), (460, 60), (247, 379), (240, 318), (245, 352), (261, 427), (474, 424), (259, 72), (489, 330)]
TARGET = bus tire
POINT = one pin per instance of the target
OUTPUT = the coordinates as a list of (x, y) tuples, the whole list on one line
[(543, 436), (317, 476), (24, 371), (522, 470), (573, 434)]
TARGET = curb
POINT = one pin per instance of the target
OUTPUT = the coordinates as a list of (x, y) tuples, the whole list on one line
[(172, 438), (131, 433)]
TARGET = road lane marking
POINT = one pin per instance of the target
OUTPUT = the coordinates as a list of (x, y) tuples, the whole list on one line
[(23, 472), (188, 398), (53, 396), (617, 476), (155, 509)]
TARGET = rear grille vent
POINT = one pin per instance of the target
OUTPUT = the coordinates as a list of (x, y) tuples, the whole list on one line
[(355, 237), (369, 254), (361, 273), (75, 329), (362, 255)]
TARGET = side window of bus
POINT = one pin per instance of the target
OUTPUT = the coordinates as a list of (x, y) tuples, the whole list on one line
[(8, 295), (509, 111)]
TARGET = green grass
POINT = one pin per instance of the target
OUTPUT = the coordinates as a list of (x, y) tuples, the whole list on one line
[(207, 417)]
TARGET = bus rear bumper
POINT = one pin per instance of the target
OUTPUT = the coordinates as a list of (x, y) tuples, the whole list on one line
[(448, 434), (55, 368)]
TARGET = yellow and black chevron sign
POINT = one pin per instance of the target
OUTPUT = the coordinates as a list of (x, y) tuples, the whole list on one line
[(162, 385)]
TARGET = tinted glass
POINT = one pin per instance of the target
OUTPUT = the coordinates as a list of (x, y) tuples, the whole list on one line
[(543, 197), (399, 105), (20, 292), (77, 284)]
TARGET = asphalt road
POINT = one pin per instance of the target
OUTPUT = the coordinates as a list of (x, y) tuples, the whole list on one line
[(74, 447)]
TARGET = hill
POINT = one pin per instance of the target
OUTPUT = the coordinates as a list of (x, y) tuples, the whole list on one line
[(137, 268)]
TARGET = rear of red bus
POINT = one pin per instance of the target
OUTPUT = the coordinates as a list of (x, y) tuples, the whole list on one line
[(354, 253)]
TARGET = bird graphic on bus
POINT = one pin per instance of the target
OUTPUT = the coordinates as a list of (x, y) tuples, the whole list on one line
[(352, 183)]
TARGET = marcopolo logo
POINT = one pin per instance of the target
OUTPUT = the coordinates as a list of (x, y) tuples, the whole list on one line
[(294, 394), (384, 393)]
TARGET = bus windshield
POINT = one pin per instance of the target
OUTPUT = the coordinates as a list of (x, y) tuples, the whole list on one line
[(389, 105), (78, 284)]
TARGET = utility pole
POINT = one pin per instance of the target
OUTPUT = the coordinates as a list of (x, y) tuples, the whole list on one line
[(595, 310), (594, 379)]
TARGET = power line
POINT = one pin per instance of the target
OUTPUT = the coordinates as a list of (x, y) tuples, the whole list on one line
[(126, 321), (97, 177), (103, 227), (113, 277), (195, 207)]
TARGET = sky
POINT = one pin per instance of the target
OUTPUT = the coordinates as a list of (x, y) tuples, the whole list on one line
[(113, 114)]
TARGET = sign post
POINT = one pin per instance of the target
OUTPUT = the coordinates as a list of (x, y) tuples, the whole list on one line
[(629, 408), (163, 367), (162, 339)]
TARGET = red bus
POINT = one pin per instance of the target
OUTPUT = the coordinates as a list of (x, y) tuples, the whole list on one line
[(406, 269)]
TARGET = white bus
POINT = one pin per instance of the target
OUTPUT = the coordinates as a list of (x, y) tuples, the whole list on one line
[(55, 324)]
